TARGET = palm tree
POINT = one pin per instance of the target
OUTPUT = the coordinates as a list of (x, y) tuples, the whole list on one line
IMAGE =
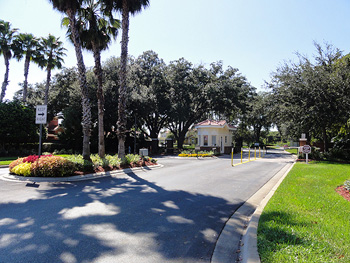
[(70, 7), (96, 33), (6, 36), (26, 45), (51, 57), (126, 7)]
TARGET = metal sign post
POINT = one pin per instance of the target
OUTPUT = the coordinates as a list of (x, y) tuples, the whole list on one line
[(306, 149), (41, 118)]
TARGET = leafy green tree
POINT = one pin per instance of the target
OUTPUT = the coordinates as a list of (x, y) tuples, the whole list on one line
[(188, 96), (17, 124), (150, 94), (51, 57), (126, 7), (70, 7), (312, 94), (96, 33), (27, 46), (6, 38), (258, 115)]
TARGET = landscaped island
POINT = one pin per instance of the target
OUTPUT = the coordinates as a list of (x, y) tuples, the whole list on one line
[(58, 166)]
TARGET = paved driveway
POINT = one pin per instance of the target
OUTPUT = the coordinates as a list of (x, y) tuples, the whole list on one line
[(172, 214)]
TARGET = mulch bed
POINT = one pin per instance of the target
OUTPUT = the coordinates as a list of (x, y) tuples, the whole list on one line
[(111, 168), (343, 192)]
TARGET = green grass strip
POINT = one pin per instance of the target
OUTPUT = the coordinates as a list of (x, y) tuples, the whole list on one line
[(293, 151), (307, 220)]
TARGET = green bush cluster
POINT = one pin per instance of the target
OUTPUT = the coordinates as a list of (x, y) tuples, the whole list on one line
[(52, 166), (57, 166), (131, 159), (149, 159), (80, 163), (333, 154), (113, 160), (86, 166), (45, 166), (187, 153)]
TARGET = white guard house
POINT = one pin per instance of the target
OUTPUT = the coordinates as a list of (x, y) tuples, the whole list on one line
[(215, 134)]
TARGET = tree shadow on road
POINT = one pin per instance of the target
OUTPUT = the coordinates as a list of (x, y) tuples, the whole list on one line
[(125, 219)]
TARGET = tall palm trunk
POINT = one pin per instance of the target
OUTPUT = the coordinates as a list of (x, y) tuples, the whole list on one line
[(47, 86), (25, 84), (6, 77), (122, 88), (100, 101), (86, 120)]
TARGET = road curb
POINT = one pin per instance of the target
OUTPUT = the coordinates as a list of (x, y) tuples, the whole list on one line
[(245, 222), (249, 249), (75, 178)]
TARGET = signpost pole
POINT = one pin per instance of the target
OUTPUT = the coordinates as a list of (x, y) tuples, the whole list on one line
[(306, 149), (41, 118), (40, 139)]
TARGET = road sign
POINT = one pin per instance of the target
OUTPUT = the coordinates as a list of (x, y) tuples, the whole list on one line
[(306, 149), (41, 114)]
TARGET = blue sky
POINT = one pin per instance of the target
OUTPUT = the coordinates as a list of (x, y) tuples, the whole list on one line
[(254, 36)]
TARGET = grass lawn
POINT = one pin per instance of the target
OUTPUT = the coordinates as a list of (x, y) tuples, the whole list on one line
[(7, 160), (293, 151), (307, 220)]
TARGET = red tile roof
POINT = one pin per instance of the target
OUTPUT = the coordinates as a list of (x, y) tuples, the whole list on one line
[(220, 123)]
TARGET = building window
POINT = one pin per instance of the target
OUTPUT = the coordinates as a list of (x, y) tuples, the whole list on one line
[(225, 139), (205, 139), (213, 140), (199, 140)]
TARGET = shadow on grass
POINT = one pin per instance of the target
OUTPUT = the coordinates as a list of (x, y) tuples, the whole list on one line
[(276, 231)]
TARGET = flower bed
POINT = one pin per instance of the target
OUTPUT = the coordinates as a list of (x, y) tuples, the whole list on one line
[(56, 166), (194, 154)]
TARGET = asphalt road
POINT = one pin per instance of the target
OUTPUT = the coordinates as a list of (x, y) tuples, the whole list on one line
[(171, 214)]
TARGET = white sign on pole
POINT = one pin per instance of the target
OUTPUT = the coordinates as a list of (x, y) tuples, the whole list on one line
[(41, 114), (306, 149)]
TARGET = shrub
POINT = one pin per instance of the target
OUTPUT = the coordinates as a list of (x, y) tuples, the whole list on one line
[(336, 154), (22, 169), (199, 154), (131, 159), (113, 160), (80, 163), (96, 160), (52, 166), (33, 158), (15, 163), (149, 159)]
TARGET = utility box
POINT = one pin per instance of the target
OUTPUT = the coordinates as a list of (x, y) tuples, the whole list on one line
[(143, 152)]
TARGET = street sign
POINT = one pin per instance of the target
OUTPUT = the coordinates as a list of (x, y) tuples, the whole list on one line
[(306, 149), (41, 114)]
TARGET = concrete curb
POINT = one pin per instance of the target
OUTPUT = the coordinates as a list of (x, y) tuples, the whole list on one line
[(249, 247), (232, 248), (75, 178)]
